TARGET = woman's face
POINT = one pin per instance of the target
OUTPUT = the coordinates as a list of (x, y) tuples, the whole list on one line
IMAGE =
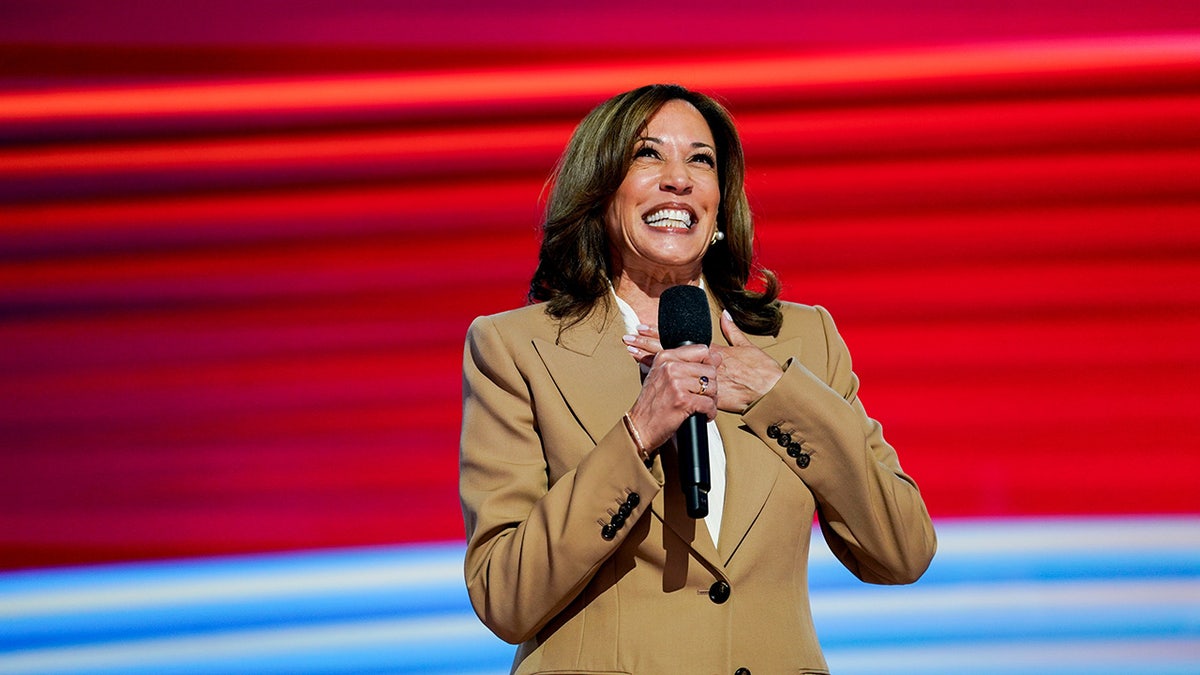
[(662, 217)]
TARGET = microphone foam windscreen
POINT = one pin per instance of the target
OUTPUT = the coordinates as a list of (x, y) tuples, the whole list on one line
[(683, 317)]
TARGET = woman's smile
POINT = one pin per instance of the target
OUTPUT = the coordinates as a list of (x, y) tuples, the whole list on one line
[(669, 217)]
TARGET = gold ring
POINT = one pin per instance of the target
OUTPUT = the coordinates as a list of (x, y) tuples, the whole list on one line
[(703, 384)]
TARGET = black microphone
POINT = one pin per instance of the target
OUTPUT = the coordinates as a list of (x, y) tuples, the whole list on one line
[(683, 319)]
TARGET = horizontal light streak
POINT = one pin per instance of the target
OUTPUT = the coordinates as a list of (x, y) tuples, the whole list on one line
[(254, 579), (1038, 538), (1074, 598), (464, 147), (760, 73), (400, 639), (969, 183), (967, 126), (482, 204), (924, 129), (992, 236)]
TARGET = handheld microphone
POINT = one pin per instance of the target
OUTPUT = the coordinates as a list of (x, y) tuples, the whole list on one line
[(683, 319)]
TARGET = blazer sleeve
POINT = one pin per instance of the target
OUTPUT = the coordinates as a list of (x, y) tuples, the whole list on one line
[(532, 546), (871, 513)]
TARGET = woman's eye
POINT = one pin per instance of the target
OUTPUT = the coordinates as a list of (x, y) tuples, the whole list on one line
[(646, 151), (705, 159)]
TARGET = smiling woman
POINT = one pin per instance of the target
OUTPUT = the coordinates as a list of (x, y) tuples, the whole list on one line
[(599, 161), (579, 544)]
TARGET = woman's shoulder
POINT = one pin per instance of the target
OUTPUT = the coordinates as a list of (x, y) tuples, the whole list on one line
[(798, 317), (810, 323), (524, 322), (799, 311), (534, 313)]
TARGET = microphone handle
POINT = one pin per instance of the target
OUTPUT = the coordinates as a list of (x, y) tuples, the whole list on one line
[(692, 442), (691, 439)]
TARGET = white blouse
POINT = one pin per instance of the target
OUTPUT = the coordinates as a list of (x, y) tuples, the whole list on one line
[(716, 448)]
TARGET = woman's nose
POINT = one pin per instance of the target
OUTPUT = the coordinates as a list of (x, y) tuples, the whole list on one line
[(675, 178)]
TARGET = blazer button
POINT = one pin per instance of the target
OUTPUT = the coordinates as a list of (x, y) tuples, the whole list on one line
[(618, 521), (608, 532), (784, 440), (718, 592), (633, 499), (794, 449), (625, 510), (742, 671), (773, 431), (804, 460)]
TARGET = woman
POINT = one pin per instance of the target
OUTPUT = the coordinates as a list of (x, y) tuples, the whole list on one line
[(579, 547)]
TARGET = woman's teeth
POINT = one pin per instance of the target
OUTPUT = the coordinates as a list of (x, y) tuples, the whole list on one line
[(672, 218)]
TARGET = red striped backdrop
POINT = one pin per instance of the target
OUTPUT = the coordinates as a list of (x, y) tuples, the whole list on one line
[(235, 279)]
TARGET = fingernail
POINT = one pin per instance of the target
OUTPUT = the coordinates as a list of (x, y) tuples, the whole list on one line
[(642, 327), (725, 313), (628, 339), (633, 350)]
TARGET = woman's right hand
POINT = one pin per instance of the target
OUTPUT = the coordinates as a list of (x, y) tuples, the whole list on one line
[(673, 391)]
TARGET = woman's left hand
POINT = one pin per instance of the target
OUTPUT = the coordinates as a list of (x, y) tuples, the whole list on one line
[(746, 372)]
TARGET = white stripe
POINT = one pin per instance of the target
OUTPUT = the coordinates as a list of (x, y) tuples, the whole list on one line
[(237, 585), (1077, 535), (1047, 536), (978, 599)]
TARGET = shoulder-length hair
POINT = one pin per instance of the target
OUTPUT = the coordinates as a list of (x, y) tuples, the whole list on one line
[(574, 271)]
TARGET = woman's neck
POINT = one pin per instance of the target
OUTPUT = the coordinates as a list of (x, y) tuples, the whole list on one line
[(642, 291)]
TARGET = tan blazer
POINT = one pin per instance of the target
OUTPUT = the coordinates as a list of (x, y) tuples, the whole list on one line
[(546, 464)]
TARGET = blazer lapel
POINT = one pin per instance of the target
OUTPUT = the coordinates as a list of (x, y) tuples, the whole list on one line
[(750, 474), (592, 369), (750, 469)]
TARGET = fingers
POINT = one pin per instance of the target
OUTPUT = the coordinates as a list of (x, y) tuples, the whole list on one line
[(690, 370), (646, 341), (680, 383), (694, 384), (732, 333), (644, 344), (747, 372), (714, 358)]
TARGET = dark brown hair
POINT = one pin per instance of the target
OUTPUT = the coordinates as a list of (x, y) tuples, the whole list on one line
[(574, 270)]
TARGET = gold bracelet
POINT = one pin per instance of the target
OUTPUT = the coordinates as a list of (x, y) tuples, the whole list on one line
[(637, 438)]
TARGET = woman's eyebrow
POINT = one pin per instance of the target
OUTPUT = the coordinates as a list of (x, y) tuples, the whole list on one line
[(696, 144)]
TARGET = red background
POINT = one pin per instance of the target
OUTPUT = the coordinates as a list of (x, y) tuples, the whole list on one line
[(239, 249)]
